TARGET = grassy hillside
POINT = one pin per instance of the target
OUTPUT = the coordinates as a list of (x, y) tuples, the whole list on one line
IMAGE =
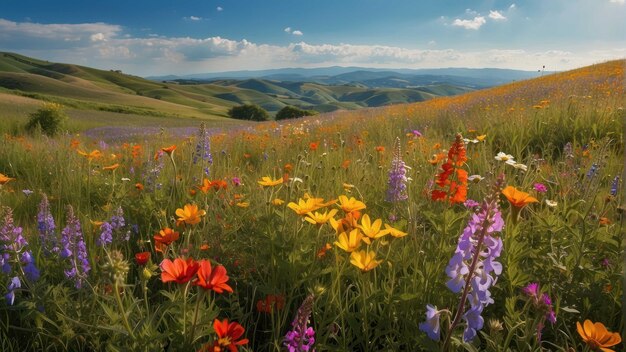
[(87, 89), (340, 210)]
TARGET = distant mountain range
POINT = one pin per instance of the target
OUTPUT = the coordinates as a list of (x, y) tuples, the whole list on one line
[(212, 95), (368, 77)]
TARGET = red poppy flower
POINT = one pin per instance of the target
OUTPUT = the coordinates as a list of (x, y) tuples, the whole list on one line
[(142, 258), (212, 279), (181, 271)]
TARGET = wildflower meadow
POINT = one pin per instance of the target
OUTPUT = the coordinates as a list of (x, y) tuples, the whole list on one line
[(489, 221)]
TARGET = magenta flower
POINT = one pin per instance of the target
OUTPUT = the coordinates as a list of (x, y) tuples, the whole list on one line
[(540, 187)]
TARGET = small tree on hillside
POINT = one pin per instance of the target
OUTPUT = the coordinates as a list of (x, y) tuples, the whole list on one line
[(292, 112), (249, 112), (50, 119)]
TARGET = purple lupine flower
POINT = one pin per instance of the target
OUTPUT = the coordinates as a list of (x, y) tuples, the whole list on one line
[(153, 171), (236, 181), (431, 325), (46, 227), (474, 263), (28, 265), (593, 170), (301, 337), (13, 285), (614, 186), (5, 263), (13, 250), (74, 249), (203, 149), (106, 234), (474, 322), (117, 220), (540, 187), (396, 186)]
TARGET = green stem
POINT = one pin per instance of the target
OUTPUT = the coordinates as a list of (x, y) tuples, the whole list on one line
[(195, 316), (123, 311), (185, 307)]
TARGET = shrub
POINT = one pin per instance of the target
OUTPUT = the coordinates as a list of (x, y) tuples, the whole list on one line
[(49, 119), (292, 112), (249, 112)]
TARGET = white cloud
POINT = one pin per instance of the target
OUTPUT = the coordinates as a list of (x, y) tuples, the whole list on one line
[(512, 7), (297, 32), (496, 15), (432, 42), (106, 46), (98, 37), (621, 2), (219, 8), (193, 18), (474, 24), (287, 29)]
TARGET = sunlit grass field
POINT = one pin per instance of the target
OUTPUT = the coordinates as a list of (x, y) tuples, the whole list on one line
[(489, 221)]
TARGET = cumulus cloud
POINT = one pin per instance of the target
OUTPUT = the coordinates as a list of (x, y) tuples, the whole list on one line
[(496, 15), (192, 18), (512, 6), (98, 37), (219, 8), (474, 24), (297, 32), (287, 30), (621, 2)]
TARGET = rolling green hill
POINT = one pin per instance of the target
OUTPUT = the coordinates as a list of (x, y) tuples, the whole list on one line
[(82, 89)]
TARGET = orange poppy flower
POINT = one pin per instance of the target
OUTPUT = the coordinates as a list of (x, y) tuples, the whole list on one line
[(94, 154), (518, 198), (5, 179), (166, 236), (169, 150), (142, 258), (597, 337), (206, 186), (111, 167), (139, 186), (212, 279), (229, 334), (160, 247), (189, 215), (380, 149), (180, 270), (313, 145), (604, 221)]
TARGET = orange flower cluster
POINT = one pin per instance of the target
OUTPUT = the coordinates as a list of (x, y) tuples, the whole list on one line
[(453, 190), (203, 275), (215, 185)]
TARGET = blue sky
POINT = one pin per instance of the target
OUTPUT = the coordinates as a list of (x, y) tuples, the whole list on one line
[(158, 37)]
